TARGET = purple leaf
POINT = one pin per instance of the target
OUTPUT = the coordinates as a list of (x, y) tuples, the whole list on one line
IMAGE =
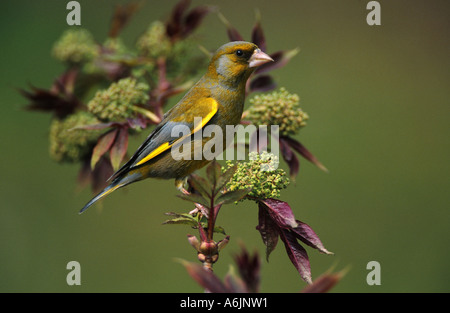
[(297, 146), (234, 35), (261, 83), (173, 26), (280, 59), (280, 212), (249, 269), (194, 18), (258, 36), (297, 254), (102, 171), (268, 230), (119, 148), (323, 283), (307, 235), (59, 99), (290, 158), (103, 145), (205, 277), (66, 82)]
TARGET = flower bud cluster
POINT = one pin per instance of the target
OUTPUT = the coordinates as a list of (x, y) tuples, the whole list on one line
[(75, 46), (69, 143), (260, 174), (278, 108), (118, 102)]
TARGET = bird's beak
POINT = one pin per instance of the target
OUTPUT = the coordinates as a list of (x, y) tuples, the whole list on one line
[(258, 58)]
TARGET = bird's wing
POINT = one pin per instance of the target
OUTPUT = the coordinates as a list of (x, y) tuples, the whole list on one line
[(162, 139)]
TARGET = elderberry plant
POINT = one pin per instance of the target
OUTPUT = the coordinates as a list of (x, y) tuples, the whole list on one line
[(110, 91)]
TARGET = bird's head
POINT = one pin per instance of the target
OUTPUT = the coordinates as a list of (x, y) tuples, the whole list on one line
[(235, 61)]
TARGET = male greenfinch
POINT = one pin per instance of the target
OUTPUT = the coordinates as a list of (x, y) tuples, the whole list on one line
[(216, 99)]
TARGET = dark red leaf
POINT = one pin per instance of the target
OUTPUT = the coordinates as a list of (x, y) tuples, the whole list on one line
[(234, 35), (205, 277), (258, 36), (261, 83), (280, 212), (122, 15), (102, 171), (103, 145), (174, 25), (323, 283), (194, 18), (297, 146), (297, 254), (286, 151), (119, 148), (307, 235), (268, 230), (65, 84), (249, 267), (59, 99), (290, 158), (280, 59)]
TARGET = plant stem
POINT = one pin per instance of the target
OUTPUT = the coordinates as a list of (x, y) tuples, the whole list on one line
[(211, 219)]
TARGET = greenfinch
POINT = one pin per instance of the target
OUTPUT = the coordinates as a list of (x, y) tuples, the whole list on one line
[(216, 99)]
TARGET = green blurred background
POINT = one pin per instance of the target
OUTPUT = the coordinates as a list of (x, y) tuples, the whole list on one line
[(378, 98)]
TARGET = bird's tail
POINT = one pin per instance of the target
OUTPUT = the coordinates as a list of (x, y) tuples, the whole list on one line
[(117, 183)]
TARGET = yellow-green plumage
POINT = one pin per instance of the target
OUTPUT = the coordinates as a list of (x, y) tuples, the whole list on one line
[(217, 99)]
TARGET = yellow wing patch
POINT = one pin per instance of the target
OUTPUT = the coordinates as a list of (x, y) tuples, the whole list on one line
[(212, 110)]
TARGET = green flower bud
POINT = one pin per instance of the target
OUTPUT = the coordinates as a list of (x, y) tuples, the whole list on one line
[(75, 46), (116, 45), (260, 174), (70, 144), (119, 101), (154, 42), (278, 108)]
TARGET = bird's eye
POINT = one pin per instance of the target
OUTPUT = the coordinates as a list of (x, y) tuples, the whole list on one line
[(239, 52)]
